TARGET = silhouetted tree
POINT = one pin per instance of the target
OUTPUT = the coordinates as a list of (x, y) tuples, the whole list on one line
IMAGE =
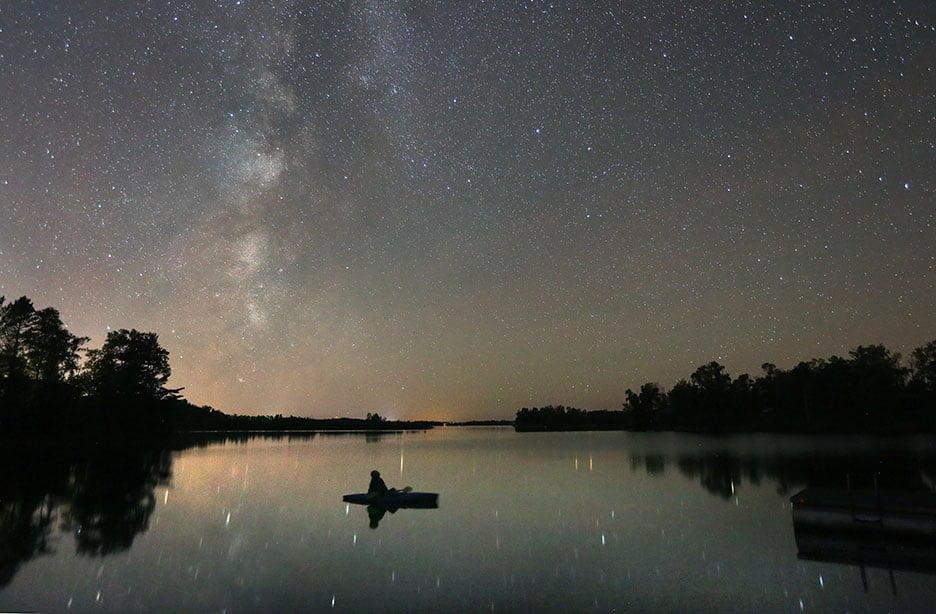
[(711, 378), (16, 322), (710, 385), (561, 417), (52, 352), (870, 390), (646, 407), (877, 380), (46, 391), (131, 365), (923, 365)]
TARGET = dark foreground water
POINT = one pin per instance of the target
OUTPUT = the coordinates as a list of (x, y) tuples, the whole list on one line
[(588, 521)]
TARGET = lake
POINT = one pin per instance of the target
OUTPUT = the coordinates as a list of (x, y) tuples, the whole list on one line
[(526, 521)]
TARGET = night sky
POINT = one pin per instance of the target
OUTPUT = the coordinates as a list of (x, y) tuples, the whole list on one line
[(453, 209)]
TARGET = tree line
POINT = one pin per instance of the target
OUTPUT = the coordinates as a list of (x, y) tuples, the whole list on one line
[(870, 390), (52, 384), (48, 374)]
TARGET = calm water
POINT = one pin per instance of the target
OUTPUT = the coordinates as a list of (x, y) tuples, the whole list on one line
[(595, 521)]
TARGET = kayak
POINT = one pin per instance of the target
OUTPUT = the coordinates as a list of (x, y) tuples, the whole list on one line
[(403, 499)]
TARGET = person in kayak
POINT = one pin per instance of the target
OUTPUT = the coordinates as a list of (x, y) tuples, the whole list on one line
[(377, 486)]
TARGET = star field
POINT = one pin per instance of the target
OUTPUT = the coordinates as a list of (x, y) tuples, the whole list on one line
[(452, 209)]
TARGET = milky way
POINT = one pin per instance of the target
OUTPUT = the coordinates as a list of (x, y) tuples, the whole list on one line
[(453, 209)]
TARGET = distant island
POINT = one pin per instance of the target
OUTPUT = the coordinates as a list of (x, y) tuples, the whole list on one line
[(870, 391), (52, 386), (474, 423)]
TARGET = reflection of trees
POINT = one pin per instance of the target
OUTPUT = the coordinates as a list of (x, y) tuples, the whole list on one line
[(24, 533), (111, 500), (721, 472), (104, 497), (30, 490), (717, 474), (652, 464)]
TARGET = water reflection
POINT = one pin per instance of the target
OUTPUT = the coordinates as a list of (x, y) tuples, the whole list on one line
[(375, 513), (250, 512), (868, 510), (104, 498), (887, 529), (722, 471)]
